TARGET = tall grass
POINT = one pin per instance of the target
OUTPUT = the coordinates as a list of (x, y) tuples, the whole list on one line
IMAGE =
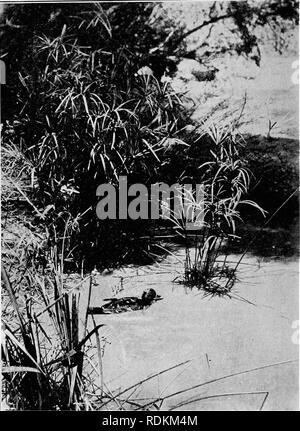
[(43, 352), (45, 340), (226, 182), (52, 355)]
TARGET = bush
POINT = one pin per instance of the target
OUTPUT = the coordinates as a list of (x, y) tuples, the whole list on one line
[(88, 113)]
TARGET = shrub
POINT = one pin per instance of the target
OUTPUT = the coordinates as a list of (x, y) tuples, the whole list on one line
[(87, 114)]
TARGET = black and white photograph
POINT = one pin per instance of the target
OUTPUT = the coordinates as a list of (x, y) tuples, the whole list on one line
[(150, 207)]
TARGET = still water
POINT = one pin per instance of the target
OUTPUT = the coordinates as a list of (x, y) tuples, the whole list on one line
[(252, 334)]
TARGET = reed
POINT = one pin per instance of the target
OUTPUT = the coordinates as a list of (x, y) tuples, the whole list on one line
[(44, 346), (226, 181)]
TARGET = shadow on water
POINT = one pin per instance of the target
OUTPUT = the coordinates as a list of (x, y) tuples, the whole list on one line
[(267, 242), (275, 181)]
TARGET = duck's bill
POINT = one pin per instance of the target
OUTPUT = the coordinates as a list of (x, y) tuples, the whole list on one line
[(110, 299), (96, 310)]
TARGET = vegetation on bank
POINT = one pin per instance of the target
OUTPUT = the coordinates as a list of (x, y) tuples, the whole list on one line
[(86, 103)]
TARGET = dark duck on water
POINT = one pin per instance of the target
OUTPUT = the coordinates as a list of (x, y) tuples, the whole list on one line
[(127, 303)]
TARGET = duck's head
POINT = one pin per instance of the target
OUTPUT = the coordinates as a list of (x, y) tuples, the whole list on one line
[(148, 296)]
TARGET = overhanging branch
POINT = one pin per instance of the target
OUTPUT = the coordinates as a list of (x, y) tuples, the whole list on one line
[(199, 27)]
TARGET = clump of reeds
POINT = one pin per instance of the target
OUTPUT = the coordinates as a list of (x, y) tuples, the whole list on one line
[(44, 344), (226, 182)]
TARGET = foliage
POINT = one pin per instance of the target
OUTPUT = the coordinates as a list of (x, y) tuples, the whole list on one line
[(87, 113), (226, 181), (43, 355), (85, 103)]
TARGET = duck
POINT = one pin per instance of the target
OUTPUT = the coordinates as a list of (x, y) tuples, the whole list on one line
[(126, 303)]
